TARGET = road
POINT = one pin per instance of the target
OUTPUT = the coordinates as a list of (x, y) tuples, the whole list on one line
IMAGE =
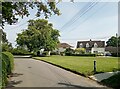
[(34, 73)]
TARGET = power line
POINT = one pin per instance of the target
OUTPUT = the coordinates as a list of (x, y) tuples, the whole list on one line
[(75, 16), (86, 18), (88, 38), (84, 10), (82, 15)]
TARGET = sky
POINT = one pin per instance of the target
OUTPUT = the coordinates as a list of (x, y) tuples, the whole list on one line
[(78, 21)]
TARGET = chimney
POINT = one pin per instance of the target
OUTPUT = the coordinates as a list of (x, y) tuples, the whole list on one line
[(90, 40)]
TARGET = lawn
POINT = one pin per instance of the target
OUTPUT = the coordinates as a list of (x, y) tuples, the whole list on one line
[(83, 65)]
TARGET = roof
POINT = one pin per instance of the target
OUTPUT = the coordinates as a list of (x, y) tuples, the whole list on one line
[(64, 45), (91, 43)]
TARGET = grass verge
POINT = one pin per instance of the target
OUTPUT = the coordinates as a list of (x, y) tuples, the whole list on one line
[(83, 65)]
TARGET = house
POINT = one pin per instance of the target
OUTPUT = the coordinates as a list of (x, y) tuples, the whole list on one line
[(62, 47), (92, 46)]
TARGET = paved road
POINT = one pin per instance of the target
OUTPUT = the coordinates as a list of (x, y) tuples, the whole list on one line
[(34, 73)]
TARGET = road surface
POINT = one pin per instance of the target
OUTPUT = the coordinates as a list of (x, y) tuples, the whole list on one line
[(34, 73)]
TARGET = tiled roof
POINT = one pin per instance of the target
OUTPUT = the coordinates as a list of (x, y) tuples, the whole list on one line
[(91, 43), (64, 45)]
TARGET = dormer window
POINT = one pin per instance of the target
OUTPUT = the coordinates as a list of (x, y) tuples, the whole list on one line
[(87, 45), (81, 45), (95, 45)]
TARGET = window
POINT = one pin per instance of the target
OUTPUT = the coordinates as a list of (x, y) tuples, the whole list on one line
[(95, 45), (87, 45), (81, 45)]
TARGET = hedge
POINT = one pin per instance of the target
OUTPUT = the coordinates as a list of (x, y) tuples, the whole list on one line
[(11, 60), (20, 52), (7, 62), (115, 54), (91, 55)]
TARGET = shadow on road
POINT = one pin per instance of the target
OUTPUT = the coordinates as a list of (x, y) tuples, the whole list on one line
[(15, 74), (12, 83), (82, 87)]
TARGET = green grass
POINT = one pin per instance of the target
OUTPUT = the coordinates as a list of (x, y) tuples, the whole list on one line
[(83, 65), (113, 81)]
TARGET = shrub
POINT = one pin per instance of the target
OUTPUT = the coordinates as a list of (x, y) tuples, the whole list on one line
[(19, 51), (7, 66), (89, 55), (54, 53), (69, 51), (11, 60), (115, 54), (45, 53), (80, 50)]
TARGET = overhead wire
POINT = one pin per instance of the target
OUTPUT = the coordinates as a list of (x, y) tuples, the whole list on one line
[(73, 29), (76, 17)]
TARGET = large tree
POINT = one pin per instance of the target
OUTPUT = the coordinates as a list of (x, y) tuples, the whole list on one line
[(113, 41), (39, 35), (11, 10)]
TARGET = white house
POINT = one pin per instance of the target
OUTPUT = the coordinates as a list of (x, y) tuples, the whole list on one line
[(92, 46)]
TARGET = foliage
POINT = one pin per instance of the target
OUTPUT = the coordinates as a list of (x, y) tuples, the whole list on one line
[(39, 35), (20, 51), (69, 51), (85, 55), (7, 66), (54, 53), (115, 54), (83, 65), (113, 81), (11, 10), (6, 47), (3, 36), (9, 61), (113, 41), (80, 50)]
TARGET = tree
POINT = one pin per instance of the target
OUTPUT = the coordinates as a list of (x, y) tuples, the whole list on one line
[(113, 41), (39, 35), (3, 36), (10, 10), (6, 46), (80, 50)]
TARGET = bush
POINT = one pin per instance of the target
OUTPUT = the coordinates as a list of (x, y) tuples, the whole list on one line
[(115, 54), (45, 53), (54, 53), (89, 55), (80, 50), (17, 51), (7, 66), (11, 60), (69, 51)]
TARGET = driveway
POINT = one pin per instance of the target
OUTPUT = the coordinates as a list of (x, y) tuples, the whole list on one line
[(34, 73)]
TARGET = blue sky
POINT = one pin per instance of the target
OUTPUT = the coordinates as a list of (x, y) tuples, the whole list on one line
[(98, 23)]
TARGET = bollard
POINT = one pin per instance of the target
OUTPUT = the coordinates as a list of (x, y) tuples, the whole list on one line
[(94, 66)]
